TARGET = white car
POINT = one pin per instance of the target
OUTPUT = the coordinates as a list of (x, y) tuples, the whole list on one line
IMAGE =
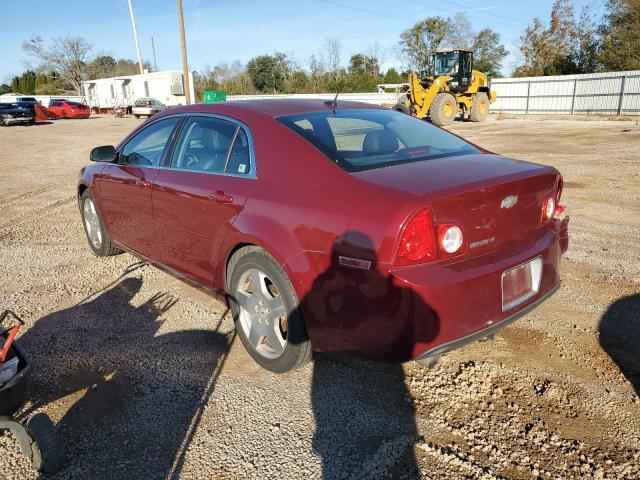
[(147, 107)]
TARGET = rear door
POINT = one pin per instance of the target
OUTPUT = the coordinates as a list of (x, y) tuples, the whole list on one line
[(125, 186), (198, 196)]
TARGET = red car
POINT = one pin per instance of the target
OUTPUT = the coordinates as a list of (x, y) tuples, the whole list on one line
[(331, 226), (67, 109)]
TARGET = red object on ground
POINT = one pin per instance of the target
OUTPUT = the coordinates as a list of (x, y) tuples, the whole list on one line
[(42, 114), (8, 342), (68, 109)]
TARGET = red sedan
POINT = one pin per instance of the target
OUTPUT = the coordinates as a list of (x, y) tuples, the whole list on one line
[(67, 109), (331, 226)]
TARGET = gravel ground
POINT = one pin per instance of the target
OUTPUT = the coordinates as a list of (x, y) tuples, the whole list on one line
[(145, 379)]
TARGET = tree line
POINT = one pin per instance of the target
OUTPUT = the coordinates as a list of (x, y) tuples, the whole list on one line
[(565, 44)]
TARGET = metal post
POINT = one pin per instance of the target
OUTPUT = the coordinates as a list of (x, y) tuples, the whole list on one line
[(624, 80), (528, 95), (185, 64), (573, 99), (153, 48), (135, 37)]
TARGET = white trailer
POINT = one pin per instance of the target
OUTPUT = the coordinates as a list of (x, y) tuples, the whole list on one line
[(105, 94)]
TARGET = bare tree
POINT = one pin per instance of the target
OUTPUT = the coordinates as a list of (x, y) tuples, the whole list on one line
[(333, 52), (377, 52), (67, 56), (461, 34)]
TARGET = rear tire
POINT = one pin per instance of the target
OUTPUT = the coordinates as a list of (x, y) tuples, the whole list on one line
[(266, 312), (137, 116), (47, 450), (443, 109), (97, 236), (480, 108), (402, 108)]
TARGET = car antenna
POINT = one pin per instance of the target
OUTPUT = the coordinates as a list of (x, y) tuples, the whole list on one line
[(334, 102)]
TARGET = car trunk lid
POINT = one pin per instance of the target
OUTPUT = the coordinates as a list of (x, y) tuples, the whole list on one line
[(495, 200)]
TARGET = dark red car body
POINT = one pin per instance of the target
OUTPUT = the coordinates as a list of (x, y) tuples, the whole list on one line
[(67, 109), (307, 213)]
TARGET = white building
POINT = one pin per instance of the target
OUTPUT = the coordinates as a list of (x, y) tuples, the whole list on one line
[(108, 93)]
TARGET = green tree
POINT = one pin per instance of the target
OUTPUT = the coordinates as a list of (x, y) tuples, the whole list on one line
[(621, 36), (4, 88), (488, 52), (392, 76), (420, 41), (361, 64), (268, 72)]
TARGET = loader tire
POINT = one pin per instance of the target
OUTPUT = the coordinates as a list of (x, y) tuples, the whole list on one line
[(443, 109), (480, 108), (402, 108)]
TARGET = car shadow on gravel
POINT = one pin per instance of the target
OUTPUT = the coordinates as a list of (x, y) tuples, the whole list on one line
[(365, 416), (620, 336), (130, 397)]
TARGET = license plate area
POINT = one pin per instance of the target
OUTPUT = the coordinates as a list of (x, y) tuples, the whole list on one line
[(520, 283)]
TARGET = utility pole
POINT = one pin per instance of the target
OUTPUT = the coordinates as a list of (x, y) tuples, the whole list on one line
[(135, 37), (153, 48), (185, 64)]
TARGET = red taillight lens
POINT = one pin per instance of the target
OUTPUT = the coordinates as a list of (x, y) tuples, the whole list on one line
[(418, 240)]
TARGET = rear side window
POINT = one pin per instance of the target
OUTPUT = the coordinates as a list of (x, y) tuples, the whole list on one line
[(374, 138), (147, 146), (211, 144)]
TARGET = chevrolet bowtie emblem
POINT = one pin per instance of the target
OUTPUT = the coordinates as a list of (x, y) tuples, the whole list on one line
[(509, 201)]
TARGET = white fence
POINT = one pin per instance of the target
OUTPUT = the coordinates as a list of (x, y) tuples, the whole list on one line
[(612, 93)]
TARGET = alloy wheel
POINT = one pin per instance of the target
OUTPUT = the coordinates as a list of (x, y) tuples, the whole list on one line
[(92, 223), (262, 313)]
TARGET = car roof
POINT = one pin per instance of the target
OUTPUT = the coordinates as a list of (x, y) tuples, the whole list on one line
[(281, 106)]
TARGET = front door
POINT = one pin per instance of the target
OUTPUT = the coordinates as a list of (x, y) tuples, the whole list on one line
[(125, 187), (198, 197)]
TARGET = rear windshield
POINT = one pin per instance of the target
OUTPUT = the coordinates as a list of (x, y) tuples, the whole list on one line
[(366, 139), (143, 102), (73, 104)]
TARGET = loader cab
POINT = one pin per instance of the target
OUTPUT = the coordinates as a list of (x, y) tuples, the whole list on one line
[(455, 64)]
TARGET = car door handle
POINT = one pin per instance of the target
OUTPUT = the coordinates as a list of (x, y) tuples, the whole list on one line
[(221, 197)]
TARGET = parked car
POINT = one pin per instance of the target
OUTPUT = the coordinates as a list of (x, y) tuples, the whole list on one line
[(147, 107), (28, 103), (331, 226), (67, 109), (10, 114)]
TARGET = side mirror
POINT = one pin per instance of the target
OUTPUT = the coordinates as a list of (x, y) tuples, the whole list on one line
[(106, 153)]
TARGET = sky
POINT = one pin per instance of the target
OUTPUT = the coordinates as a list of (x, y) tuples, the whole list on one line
[(220, 30)]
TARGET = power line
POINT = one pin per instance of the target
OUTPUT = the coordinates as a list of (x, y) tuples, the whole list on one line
[(364, 10)]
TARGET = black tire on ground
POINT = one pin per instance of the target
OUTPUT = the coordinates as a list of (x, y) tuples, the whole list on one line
[(480, 108), (47, 450), (106, 248), (137, 116), (443, 109), (297, 351), (401, 107)]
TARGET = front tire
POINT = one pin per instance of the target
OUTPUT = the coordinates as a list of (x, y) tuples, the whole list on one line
[(94, 228), (266, 313), (443, 109), (480, 108)]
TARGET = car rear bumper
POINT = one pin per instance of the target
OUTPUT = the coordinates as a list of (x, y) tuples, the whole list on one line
[(487, 332), (142, 111), (466, 297)]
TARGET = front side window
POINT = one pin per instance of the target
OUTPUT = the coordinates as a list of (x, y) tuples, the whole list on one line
[(213, 145), (147, 146), (374, 138)]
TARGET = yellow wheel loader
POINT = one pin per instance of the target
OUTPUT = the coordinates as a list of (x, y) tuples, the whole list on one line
[(452, 88)]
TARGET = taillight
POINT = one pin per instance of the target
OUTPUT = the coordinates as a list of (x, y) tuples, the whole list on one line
[(449, 238), (548, 208), (418, 240)]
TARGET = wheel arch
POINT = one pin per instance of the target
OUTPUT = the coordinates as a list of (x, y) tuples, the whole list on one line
[(254, 231)]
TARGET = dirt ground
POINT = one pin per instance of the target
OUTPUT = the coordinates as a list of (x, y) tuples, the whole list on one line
[(144, 378)]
